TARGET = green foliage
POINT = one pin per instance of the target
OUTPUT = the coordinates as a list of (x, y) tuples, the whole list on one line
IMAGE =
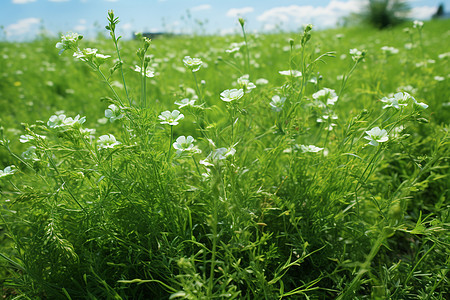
[(328, 179), (385, 13)]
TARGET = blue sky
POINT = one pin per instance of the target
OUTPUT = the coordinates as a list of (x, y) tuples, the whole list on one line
[(22, 19)]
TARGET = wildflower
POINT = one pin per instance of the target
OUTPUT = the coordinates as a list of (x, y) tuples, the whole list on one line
[(113, 113), (217, 155), (8, 171), (148, 73), (293, 73), (63, 122), (107, 141), (185, 144), (261, 81), (389, 50), (30, 154), (326, 95), (68, 41), (418, 24), (245, 83), (277, 103), (376, 136), (170, 118), (439, 78), (87, 133), (231, 95), (357, 55), (399, 99), (194, 64), (309, 148), (185, 102)]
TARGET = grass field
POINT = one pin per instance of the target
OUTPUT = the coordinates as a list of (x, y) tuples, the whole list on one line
[(309, 165)]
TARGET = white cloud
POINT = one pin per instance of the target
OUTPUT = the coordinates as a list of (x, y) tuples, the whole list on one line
[(22, 27), (422, 12), (22, 1), (201, 7), (236, 12), (321, 16)]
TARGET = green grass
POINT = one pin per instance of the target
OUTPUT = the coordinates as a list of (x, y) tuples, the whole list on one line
[(255, 214)]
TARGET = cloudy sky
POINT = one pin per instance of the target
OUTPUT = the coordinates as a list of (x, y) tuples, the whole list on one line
[(22, 19)]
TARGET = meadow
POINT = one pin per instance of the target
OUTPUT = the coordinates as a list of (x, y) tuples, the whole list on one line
[(304, 165)]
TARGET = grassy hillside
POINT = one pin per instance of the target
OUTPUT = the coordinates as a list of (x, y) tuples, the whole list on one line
[(302, 165)]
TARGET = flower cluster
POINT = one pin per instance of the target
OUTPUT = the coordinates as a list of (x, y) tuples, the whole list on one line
[(63, 122), (389, 50), (245, 83), (148, 73), (91, 55), (357, 55), (68, 41), (401, 99), (293, 73), (193, 64), (326, 96)]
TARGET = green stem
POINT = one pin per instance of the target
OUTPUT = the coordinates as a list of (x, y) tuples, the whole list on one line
[(170, 144)]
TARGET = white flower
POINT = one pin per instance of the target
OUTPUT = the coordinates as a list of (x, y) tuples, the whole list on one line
[(217, 155), (293, 73), (107, 141), (277, 103), (170, 118), (399, 99), (101, 56), (8, 171), (185, 102), (439, 78), (68, 41), (357, 55), (25, 138), (148, 73), (389, 50), (194, 64), (309, 148), (63, 122), (113, 113), (376, 136), (417, 24), (245, 83), (30, 154), (261, 81), (185, 144), (326, 95), (231, 95)]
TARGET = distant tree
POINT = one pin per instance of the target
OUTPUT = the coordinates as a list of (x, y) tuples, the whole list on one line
[(385, 13), (440, 11)]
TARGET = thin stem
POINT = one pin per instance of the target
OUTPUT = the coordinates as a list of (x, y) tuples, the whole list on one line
[(121, 66), (247, 52), (197, 87), (170, 144)]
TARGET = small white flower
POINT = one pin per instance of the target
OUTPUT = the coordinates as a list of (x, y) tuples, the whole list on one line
[(418, 24), (170, 118), (277, 103), (185, 102), (356, 54), (148, 73), (68, 41), (185, 144), (439, 78), (8, 171), (194, 64), (326, 95), (25, 138), (399, 99), (310, 148), (261, 81), (231, 95), (217, 155), (245, 83), (107, 141), (376, 136), (389, 50), (293, 73), (113, 113), (30, 154), (63, 122)]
